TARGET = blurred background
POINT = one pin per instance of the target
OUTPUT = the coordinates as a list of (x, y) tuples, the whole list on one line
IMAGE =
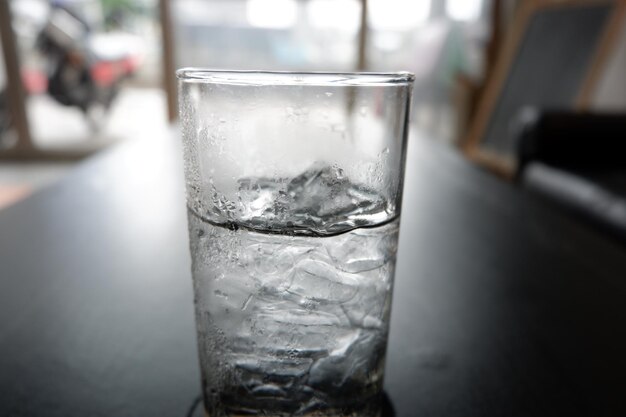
[(80, 75)]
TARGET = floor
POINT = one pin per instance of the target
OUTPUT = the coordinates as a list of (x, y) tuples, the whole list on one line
[(137, 112), (19, 180)]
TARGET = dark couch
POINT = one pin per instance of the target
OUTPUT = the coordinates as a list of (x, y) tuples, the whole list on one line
[(578, 162)]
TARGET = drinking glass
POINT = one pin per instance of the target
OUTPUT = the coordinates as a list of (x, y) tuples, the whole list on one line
[(294, 185)]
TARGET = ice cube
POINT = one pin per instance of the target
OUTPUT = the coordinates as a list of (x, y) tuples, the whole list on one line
[(321, 199), (349, 361), (321, 282)]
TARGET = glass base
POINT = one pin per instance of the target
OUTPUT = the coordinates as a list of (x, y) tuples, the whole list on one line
[(197, 410)]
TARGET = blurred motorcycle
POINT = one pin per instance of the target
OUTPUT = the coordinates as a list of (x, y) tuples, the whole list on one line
[(83, 68)]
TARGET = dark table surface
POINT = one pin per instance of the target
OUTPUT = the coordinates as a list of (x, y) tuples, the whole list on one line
[(501, 307)]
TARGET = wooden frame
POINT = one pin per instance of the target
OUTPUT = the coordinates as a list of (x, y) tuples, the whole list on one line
[(168, 60), (14, 87), (505, 166)]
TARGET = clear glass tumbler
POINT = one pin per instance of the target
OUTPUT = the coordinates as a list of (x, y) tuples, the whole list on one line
[(294, 184)]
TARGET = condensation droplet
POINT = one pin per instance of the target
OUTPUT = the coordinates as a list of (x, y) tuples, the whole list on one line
[(221, 294), (328, 94)]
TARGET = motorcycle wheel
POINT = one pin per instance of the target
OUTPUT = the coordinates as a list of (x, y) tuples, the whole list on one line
[(96, 117)]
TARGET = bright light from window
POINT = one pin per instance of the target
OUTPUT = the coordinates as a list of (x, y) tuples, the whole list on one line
[(334, 14), (272, 14), (398, 14), (464, 9)]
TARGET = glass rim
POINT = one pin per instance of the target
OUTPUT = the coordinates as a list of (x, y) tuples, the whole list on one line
[(293, 78)]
